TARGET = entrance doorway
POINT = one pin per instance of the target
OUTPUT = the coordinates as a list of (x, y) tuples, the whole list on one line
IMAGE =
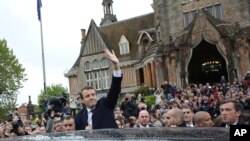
[(206, 64)]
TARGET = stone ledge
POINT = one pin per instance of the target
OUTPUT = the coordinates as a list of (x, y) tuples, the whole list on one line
[(152, 134)]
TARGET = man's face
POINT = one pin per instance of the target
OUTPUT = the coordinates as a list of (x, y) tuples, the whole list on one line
[(188, 115), (89, 98), (69, 124), (28, 129), (42, 130), (206, 121), (228, 113), (168, 119), (143, 118), (59, 127), (21, 130)]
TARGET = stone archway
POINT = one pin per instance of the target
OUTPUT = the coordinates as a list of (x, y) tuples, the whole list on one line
[(206, 64)]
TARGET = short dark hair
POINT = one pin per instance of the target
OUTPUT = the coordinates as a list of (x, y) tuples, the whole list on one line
[(86, 88), (237, 106), (185, 106), (68, 118)]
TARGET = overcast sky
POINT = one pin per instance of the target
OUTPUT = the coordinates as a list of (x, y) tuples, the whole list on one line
[(62, 21)]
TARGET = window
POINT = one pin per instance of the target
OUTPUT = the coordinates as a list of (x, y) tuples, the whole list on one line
[(210, 10), (193, 13), (215, 11), (124, 45), (88, 66), (89, 79), (124, 48), (188, 17), (105, 78), (98, 77), (104, 63), (96, 64)]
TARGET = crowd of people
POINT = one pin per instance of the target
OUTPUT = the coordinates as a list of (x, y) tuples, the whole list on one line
[(210, 105)]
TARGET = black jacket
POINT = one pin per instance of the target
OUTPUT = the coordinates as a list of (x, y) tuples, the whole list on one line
[(103, 114)]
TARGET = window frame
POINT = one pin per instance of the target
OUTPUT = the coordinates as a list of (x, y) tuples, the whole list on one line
[(86, 64)]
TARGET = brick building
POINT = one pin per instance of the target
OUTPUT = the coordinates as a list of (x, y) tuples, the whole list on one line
[(182, 41)]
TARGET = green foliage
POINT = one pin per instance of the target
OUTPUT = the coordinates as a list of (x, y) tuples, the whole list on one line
[(55, 90), (11, 77), (150, 99), (142, 90)]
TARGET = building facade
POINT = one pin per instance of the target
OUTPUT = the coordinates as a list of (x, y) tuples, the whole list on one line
[(182, 41)]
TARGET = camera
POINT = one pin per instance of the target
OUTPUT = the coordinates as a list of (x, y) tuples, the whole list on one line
[(56, 103)]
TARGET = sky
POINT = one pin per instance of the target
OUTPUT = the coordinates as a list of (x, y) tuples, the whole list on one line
[(62, 21)]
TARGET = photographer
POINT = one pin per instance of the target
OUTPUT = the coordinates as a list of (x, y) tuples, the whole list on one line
[(128, 106)]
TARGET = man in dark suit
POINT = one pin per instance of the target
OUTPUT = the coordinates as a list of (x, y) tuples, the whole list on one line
[(99, 114), (231, 111)]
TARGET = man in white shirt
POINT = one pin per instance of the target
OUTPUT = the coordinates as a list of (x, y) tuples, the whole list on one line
[(188, 115), (143, 120), (99, 114)]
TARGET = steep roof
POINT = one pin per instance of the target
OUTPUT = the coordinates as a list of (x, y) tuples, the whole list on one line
[(130, 29), (112, 33)]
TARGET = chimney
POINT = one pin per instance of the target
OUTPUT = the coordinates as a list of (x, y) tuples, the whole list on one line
[(83, 31), (30, 100)]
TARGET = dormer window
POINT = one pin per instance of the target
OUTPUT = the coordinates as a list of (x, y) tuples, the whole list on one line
[(124, 45)]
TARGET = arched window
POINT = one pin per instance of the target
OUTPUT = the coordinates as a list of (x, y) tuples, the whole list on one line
[(104, 63), (96, 65), (88, 66)]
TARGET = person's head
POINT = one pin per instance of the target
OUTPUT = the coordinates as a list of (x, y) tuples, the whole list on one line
[(188, 114), (8, 127), (203, 119), (132, 120), (69, 123), (21, 130), (143, 118), (88, 96), (59, 126), (173, 117), (158, 113), (230, 111), (42, 129), (27, 128), (142, 106)]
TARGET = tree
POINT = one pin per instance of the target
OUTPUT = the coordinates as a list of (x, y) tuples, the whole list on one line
[(55, 90), (11, 78)]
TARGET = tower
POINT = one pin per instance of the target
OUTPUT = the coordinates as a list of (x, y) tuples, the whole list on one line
[(109, 17)]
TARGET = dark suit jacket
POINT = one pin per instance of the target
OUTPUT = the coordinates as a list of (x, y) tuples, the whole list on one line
[(240, 122), (103, 114)]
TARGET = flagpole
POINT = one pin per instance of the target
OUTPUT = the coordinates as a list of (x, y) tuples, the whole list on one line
[(42, 46), (43, 60)]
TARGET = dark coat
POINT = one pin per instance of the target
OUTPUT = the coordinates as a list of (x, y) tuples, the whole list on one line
[(103, 114), (240, 122)]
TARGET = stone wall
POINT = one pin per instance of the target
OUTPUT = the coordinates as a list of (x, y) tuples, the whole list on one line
[(152, 134)]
